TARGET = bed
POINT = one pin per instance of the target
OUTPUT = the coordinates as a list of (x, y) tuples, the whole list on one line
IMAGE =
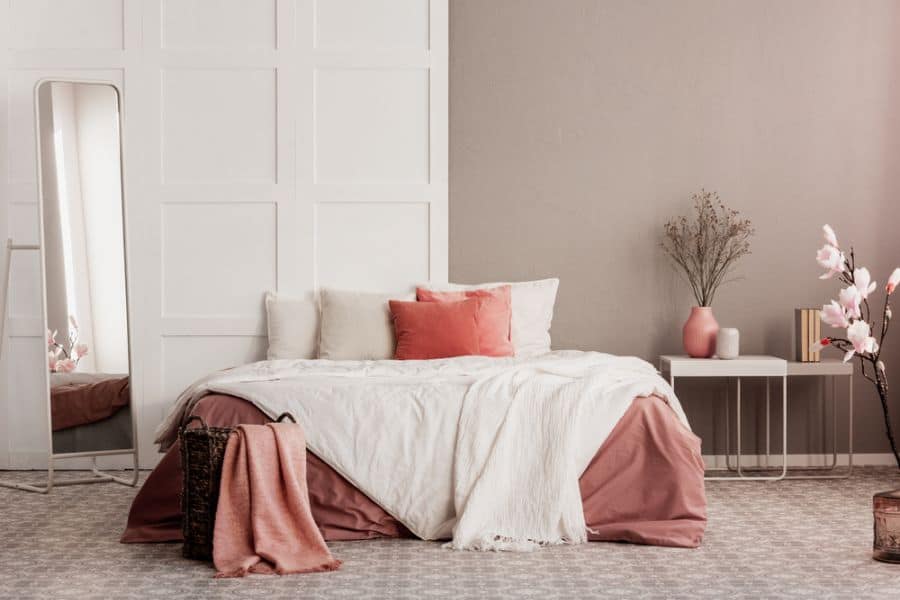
[(643, 480)]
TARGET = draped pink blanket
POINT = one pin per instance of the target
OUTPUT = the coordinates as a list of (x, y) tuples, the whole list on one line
[(263, 519)]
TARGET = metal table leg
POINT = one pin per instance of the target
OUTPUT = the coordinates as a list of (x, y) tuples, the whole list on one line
[(834, 459), (728, 424), (768, 423), (784, 427), (784, 443), (739, 426)]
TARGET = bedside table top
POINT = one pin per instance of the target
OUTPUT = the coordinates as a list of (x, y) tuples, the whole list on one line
[(827, 366), (743, 366)]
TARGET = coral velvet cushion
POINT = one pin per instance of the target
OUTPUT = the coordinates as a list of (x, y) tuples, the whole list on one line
[(435, 329), (493, 316)]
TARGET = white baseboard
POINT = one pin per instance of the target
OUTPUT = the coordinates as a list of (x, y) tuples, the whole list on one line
[(717, 461)]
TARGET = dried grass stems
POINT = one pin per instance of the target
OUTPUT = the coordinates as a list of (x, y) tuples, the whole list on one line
[(706, 248)]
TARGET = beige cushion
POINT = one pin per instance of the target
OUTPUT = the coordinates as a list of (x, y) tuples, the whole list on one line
[(357, 325), (293, 326)]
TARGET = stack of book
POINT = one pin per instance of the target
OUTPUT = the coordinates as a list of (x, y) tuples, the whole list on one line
[(807, 331)]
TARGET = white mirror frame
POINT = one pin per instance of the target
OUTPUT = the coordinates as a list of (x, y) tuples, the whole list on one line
[(97, 476)]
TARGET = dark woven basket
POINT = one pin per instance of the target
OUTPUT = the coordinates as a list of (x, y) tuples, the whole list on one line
[(202, 452)]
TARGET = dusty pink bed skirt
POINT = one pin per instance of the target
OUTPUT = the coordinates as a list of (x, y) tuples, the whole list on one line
[(644, 485)]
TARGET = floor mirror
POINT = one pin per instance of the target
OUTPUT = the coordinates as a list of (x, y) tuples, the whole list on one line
[(85, 280)]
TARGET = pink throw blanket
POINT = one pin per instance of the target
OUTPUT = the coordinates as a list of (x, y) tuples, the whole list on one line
[(263, 519)]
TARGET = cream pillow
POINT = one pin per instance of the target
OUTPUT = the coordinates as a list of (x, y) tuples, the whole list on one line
[(532, 311), (293, 326), (357, 325)]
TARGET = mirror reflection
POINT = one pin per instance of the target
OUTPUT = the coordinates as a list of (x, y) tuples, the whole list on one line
[(84, 267)]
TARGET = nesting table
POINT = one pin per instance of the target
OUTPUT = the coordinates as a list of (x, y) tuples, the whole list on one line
[(769, 367), (738, 368)]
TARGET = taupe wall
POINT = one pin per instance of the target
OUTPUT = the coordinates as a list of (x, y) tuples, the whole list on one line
[(577, 128)]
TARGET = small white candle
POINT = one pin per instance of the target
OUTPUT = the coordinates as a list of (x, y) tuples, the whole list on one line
[(728, 343)]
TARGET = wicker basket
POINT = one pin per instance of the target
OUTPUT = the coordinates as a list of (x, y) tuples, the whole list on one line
[(202, 452)]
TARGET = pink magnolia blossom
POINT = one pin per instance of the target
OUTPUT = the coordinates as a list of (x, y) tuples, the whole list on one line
[(81, 350), (829, 236), (51, 337), (859, 335), (833, 314), (863, 281), (850, 299), (73, 322), (893, 280), (66, 365), (831, 259)]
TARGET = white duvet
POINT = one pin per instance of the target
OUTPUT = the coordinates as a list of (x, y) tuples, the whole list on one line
[(484, 450)]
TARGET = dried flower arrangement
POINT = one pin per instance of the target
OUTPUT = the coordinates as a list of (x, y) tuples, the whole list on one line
[(706, 249), (851, 312)]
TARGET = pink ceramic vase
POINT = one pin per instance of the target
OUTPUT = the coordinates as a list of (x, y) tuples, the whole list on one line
[(699, 333)]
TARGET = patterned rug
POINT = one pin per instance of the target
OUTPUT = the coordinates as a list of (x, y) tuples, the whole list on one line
[(806, 539)]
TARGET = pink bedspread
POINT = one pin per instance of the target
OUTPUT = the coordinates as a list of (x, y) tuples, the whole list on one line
[(644, 485)]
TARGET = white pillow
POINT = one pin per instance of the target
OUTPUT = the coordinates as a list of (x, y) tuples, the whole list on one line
[(357, 325), (293, 326), (532, 311)]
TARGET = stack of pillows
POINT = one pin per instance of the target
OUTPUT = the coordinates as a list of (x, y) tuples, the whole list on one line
[(438, 321)]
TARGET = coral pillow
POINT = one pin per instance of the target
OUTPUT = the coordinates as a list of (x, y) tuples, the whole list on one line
[(532, 311), (435, 329), (493, 317)]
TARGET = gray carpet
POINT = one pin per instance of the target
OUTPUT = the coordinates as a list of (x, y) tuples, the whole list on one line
[(790, 539)]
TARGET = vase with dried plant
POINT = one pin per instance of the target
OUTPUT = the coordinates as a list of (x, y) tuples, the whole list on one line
[(851, 312), (705, 250)]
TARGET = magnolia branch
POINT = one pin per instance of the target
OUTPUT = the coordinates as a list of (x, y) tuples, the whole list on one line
[(853, 311)]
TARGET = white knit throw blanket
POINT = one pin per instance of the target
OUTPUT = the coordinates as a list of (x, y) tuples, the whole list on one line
[(517, 466), (487, 449)]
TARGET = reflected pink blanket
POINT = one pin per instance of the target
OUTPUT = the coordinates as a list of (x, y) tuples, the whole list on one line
[(644, 485), (263, 519), (75, 404)]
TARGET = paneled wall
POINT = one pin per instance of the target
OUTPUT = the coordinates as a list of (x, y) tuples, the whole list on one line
[(269, 144)]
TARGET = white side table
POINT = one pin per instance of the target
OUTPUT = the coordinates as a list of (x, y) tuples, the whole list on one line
[(744, 366)]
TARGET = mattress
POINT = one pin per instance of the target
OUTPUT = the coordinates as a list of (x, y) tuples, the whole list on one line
[(644, 485)]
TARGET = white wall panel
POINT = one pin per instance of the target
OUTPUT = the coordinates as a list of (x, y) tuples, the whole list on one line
[(196, 24), (372, 24), (184, 357), (20, 129), (218, 126), (23, 222), (29, 436), (269, 144), (25, 296), (371, 125), (39, 24), (372, 246), (217, 259)]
